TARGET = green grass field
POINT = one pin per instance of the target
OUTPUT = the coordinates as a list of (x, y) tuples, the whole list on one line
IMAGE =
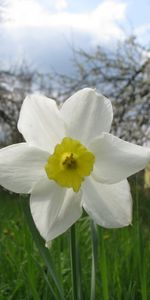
[(122, 262)]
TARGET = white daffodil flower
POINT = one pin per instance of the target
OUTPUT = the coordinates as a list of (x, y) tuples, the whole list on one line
[(70, 161)]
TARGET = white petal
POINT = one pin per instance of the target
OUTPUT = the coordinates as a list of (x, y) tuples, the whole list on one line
[(54, 209), (109, 205), (117, 159), (21, 166), (40, 122), (87, 114)]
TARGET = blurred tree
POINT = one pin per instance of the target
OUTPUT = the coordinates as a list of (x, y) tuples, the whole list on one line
[(13, 88), (15, 85), (123, 75)]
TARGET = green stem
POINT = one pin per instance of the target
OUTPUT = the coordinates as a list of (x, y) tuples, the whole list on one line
[(73, 256), (103, 268), (94, 259)]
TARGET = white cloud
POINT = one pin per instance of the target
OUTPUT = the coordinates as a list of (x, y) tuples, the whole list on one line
[(24, 13), (101, 23), (57, 5), (60, 4)]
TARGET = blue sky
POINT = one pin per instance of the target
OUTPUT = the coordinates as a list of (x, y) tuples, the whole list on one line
[(42, 32)]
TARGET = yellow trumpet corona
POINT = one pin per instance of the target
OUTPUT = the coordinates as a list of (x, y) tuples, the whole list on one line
[(70, 163)]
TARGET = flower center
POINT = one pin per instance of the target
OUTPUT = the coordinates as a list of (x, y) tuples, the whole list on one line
[(70, 163), (69, 160)]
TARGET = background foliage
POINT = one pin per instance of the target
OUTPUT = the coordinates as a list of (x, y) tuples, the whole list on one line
[(123, 256)]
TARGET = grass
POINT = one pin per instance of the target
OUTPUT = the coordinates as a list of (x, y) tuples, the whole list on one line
[(122, 262)]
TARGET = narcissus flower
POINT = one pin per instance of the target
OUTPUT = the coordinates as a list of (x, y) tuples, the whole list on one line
[(70, 161)]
